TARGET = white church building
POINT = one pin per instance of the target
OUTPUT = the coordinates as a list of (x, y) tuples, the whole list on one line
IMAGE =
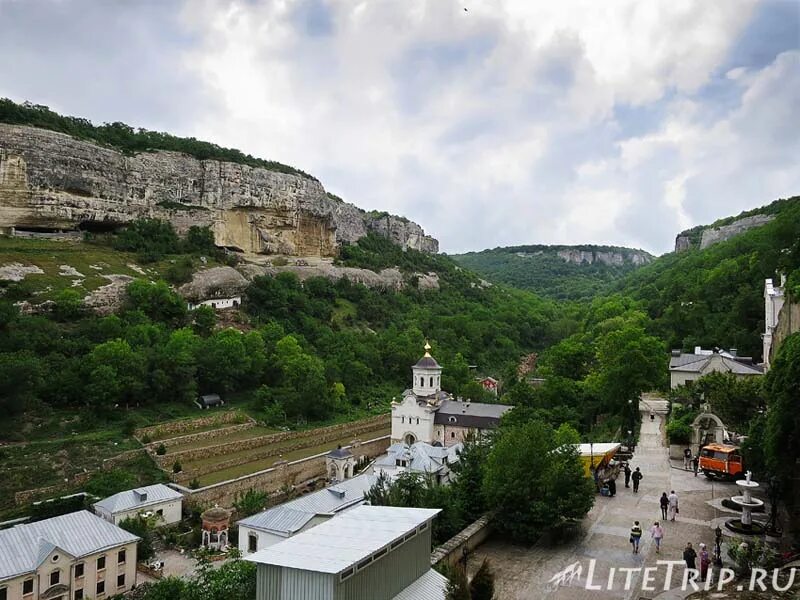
[(428, 414)]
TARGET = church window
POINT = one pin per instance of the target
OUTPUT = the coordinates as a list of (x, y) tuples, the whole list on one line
[(403, 420), (431, 381), (422, 381), (417, 420)]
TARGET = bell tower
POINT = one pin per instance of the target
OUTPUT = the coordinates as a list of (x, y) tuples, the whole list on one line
[(427, 375)]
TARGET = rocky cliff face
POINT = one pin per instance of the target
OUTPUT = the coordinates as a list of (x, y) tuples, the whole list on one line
[(49, 180), (612, 258), (708, 236)]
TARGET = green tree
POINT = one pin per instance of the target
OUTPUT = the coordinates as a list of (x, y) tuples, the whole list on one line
[(457, 585), (200, 240), (151, 238), (203, 320), (116, 374), (142, 527), (482, 585), (20, 378), (534, 480), (68, 305), (157, 301)]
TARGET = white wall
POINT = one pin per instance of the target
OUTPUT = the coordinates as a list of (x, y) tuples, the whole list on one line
[(172, 512), (265, 539), (405, 417), (217, 303)]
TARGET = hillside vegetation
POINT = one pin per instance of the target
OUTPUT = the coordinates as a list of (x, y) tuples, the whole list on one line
[(539, 269), (714, 297), (128, 139)]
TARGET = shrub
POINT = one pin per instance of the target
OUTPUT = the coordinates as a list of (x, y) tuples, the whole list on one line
[(280, 261), (679, 432), (194, 484), (180, 271), (140, 526), (161, 450), (176, 467), (146, 440)]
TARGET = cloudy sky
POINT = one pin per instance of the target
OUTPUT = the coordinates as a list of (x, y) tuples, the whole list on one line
[(510, 122)]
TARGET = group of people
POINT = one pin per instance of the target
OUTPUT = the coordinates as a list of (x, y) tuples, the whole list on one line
[(632, 476)]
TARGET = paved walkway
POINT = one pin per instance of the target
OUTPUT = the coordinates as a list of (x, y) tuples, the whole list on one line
[(524, 573)]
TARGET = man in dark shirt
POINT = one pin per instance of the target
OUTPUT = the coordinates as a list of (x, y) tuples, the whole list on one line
[(689, 555), (636, 477)]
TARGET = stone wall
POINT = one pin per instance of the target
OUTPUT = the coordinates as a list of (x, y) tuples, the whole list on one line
[(467, 539), (196, 437), (304, 439), (28, 496), (788, 323), (51, 180), (298, 474), (175, 428)]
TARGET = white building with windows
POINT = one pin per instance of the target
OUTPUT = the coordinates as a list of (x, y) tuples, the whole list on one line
[(71, 557), (421, 458), (217, 303), (686, 368), (428, 414), (153, 500), (290, 518), (773, 303)]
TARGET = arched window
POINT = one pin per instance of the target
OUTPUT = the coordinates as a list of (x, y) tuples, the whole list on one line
[(417, 420), (422, 381), (403, 420), (431, 381)]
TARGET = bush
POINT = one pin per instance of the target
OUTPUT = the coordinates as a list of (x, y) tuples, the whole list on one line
[(142, 527), (180, 271), (194, 483), (280, 261), (146, 440), (151, 239), (679, 432), (176, 467), (161, 450)]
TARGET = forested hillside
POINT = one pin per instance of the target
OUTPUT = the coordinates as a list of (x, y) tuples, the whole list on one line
[(299, 352), (714, 297), (560, 272)]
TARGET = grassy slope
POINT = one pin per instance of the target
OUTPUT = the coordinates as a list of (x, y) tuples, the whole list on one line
[(543, 272)]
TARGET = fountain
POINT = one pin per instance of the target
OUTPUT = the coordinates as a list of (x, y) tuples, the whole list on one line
[(747, 503)]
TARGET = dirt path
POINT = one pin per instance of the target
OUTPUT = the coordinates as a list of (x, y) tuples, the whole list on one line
[(525, 573)]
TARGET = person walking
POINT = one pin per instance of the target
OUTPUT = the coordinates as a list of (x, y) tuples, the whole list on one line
[(657, 533), (672, 500), (687, 457), (695, 463), (612, 487), (705, 560), (627, 474), (636, 536), (689, 556), (636, 477), (664, 504)]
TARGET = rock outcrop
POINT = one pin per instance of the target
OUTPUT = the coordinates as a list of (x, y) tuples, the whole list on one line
[(51, 181), (387, 279), (712, 235), (617, 259), (216, 282)]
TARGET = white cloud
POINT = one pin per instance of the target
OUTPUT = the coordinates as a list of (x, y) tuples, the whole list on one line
[(515, 122)]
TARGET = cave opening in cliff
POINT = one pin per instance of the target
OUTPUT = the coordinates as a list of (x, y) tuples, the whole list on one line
[(99, 226)]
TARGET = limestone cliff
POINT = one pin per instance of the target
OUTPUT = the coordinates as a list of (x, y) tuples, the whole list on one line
[(50, 180), (703, 237), (615, 258)]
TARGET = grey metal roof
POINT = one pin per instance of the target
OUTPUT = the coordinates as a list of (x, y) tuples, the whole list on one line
[(427, 362), (340, 453), (470, 414), (22, 548), (430, 586), (339, 543), (128, 500), (291, 516), (210, 399), (695, 363), (421, 456)]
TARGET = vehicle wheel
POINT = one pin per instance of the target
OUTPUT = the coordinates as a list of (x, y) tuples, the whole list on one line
[(708, 474)]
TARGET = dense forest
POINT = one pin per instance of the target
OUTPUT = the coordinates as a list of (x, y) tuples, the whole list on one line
[(714, 297), (302, 352), (128, 139), (539, 269)]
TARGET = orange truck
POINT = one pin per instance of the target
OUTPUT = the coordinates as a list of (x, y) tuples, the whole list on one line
[(722, 461)]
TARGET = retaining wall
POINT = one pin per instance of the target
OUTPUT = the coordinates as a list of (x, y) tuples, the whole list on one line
[(176, 428), (310, 437), (298, 474), (467, 540)]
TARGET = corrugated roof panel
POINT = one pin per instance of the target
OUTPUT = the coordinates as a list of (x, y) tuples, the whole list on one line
[(431, 586), (342, 542), (79, 533), (129, 500)]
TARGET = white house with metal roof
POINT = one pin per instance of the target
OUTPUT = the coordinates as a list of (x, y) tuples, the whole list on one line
[(158, 500), (685, 368), (74, 556), (368, 553), (428, 414), (285, 520), (420, 457)]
